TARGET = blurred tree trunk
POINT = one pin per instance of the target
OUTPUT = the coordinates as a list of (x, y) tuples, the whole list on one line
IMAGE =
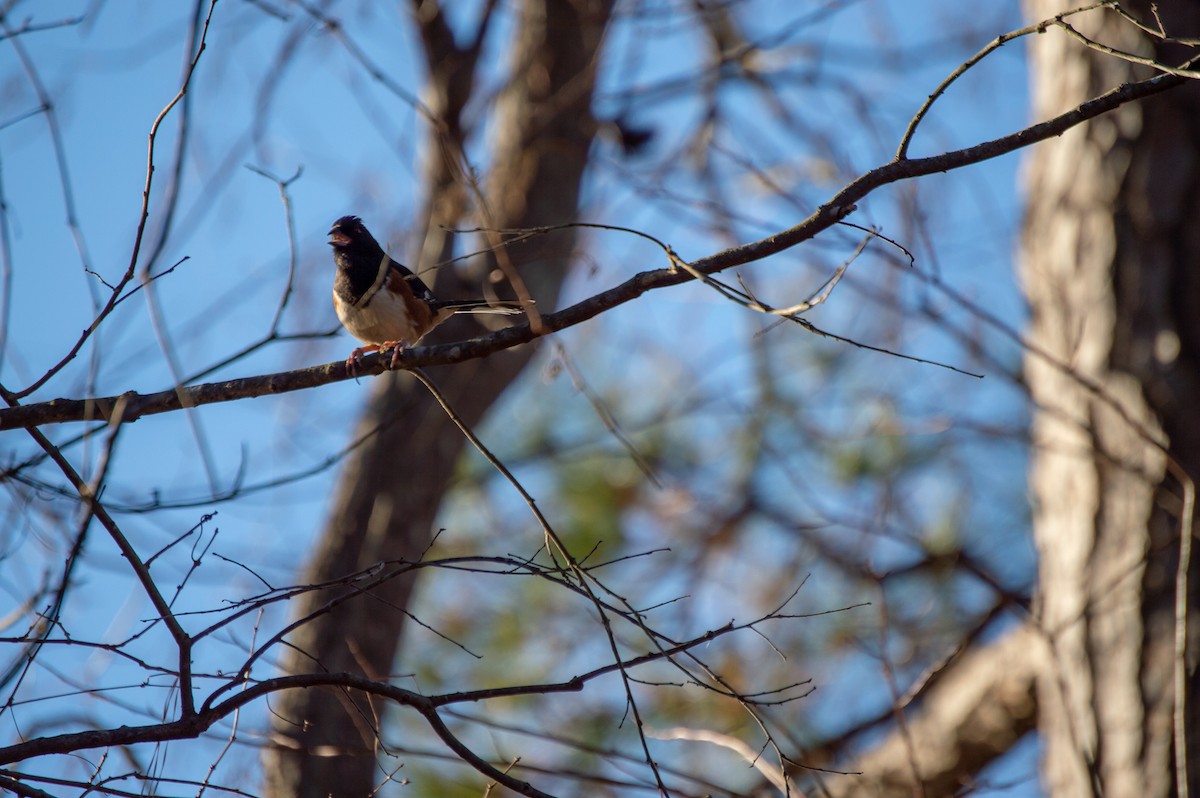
[(1109, 262), (1110, 267), (325, 742)]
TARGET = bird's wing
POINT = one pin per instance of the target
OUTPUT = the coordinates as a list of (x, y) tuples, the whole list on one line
[(397, 271)]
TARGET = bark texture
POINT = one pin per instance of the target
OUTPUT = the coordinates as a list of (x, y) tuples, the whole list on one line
[(325, 742), (1111, 243), (1109, 257)]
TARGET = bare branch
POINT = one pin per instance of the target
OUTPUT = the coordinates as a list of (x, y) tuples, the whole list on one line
[(130, 270), (833, 211)]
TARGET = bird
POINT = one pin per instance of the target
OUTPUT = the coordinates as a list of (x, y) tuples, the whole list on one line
[(383, 304)]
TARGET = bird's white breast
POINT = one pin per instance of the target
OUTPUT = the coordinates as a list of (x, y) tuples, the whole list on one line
[(385, 319)]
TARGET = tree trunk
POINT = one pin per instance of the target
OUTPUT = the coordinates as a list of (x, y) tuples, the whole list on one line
[(1109, 264), (325, 742)]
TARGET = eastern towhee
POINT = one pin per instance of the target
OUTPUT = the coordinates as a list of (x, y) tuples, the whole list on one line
[(382, 303)]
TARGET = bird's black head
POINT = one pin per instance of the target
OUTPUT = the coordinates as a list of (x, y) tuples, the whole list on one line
[(349, 231)]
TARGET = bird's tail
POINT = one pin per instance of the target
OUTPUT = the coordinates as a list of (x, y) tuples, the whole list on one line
[(483, 306)]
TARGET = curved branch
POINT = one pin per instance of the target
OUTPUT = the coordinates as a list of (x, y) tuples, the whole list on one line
[(829, 214), (194, 725), (182, 641)]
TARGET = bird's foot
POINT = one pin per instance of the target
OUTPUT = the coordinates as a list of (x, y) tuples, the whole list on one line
[(354, 362), (397, 348)]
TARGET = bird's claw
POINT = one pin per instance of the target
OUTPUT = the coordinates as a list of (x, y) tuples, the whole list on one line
[(354, 362), (397, 348)]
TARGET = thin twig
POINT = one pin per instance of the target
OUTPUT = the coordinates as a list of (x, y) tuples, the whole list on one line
[(289, 222), (1182, 598), (182, 641), (552, 538), (144, 215), (605, 415), (961, 69)]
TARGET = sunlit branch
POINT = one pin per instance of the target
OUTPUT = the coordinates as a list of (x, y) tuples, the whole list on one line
[(833, 211)]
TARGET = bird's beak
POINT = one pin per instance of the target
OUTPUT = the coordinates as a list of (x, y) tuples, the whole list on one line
[(338, 239)]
